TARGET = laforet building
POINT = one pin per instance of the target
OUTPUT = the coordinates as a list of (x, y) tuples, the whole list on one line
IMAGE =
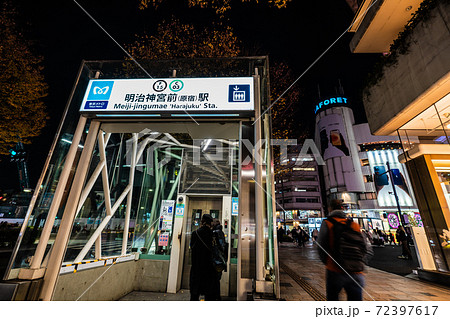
[(363, 170), (408, 95)]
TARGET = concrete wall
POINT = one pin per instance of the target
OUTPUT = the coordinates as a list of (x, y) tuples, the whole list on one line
[(363, 135), (119, 280), (151, 275), (426, 62)]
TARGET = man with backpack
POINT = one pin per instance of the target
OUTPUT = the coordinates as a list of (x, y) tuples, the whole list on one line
[(344, 250)]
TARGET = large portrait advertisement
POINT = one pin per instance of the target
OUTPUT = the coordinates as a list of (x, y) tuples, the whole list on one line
[(333, 137), (383, 182)]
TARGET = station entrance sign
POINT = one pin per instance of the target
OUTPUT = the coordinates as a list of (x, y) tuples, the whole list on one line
[(193, 95)]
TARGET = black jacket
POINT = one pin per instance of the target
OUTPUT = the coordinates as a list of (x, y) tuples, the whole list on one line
[(202, 272)]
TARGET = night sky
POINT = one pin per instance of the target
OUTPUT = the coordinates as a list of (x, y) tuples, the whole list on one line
[(64, 35)]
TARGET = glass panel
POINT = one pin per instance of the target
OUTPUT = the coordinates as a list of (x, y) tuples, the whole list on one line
[(432, 126), (168, 163), (208, 171), (154, 191), (44, 191), (234, 231)]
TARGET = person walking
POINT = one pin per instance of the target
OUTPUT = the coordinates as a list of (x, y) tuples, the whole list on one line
[(344, 250), (280, 234), (295, 235), (315, 234), (391, 239), (402, 238), (303, 236), (203, 275)]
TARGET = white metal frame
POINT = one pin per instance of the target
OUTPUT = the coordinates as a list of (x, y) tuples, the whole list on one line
[(102, 168)]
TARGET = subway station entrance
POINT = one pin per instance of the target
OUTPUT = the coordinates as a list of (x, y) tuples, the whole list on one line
[(142, 153)]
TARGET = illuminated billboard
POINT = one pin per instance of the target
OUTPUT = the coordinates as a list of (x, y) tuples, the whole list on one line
[(383, 182), (333, 137)]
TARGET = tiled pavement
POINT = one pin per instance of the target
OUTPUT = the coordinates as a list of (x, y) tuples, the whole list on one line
[(381, 285), (182, 295)]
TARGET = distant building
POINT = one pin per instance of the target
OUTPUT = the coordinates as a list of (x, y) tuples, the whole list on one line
[(298, 192)]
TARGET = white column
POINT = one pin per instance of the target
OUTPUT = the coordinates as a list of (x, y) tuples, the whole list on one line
[(130, 195), (62, 238), (176, 251), (259, 191), (59, 192), (98, 247)]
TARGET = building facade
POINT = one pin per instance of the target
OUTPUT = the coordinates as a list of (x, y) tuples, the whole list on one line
[(409, 96), (298, 192)]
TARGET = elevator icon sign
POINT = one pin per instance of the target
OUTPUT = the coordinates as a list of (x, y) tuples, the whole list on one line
[(239, 93)]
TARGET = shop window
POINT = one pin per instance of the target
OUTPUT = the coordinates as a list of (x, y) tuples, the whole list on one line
[(306, 200), (371, 195), (303, 178), (306, 189), (364, 162), (304, 169), (364, 196)]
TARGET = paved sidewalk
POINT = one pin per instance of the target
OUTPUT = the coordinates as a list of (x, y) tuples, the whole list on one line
[(182, 295), (381, 285)]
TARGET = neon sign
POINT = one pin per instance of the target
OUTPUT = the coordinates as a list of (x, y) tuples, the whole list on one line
[(335, 100)]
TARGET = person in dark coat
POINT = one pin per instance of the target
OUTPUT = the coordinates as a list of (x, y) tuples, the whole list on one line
[(220, 254), (295, 235), (280, 234), (403, 239), (203, 274)]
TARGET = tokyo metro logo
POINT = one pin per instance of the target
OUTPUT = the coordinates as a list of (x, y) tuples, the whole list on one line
[(100, 90), (99, 94)]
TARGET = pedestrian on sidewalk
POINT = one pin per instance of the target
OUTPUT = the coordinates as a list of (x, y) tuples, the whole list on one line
[(402, 238), (280, 233), (203, 275), (315, 234), (304, 236), (295, 234), (343, 249), (391, 239)]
